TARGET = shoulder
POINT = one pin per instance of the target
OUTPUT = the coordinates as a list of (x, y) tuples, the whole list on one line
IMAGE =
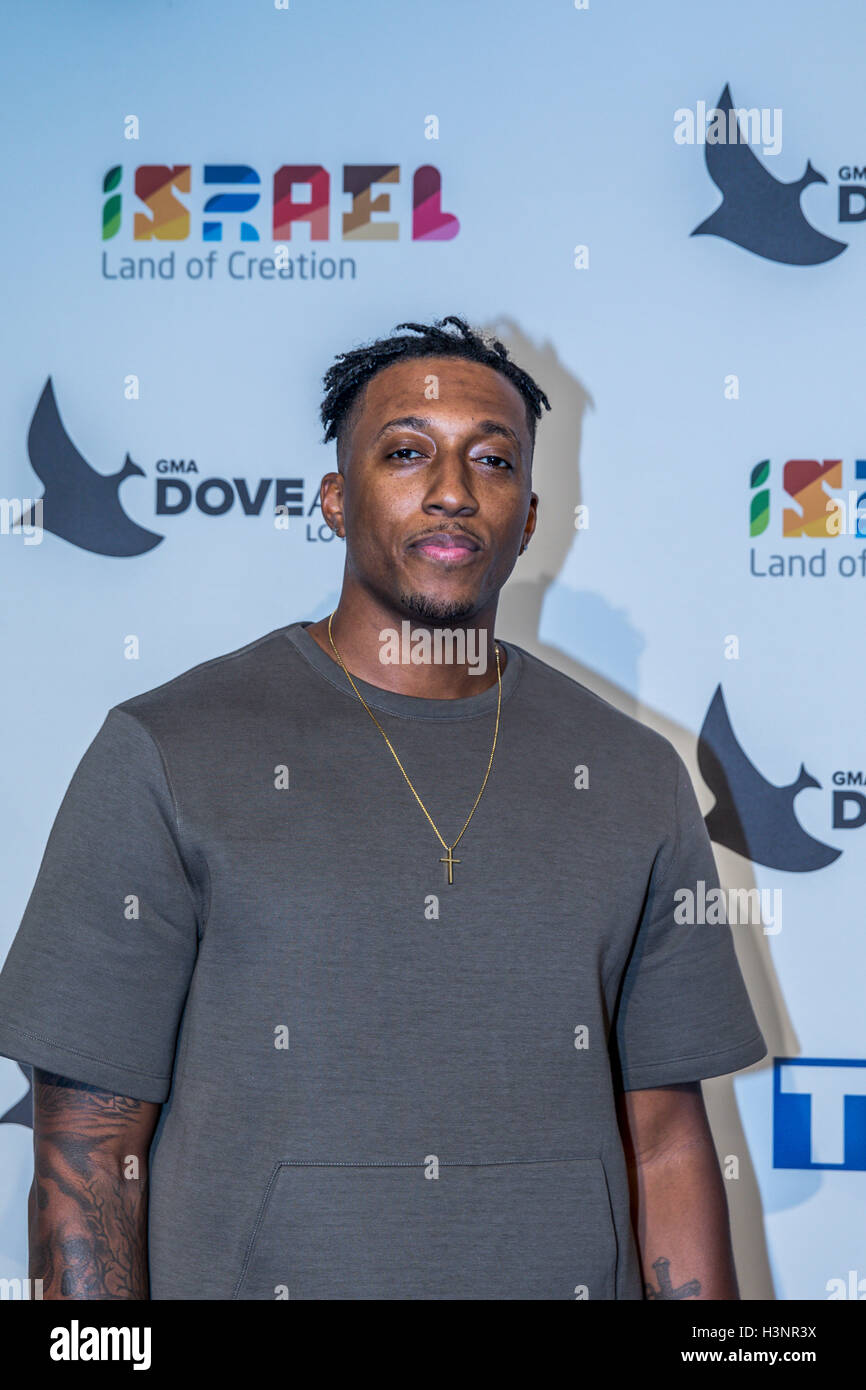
[(599, 725), (231, 681)]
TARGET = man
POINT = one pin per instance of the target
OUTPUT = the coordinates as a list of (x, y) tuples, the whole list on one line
[(383, 952)]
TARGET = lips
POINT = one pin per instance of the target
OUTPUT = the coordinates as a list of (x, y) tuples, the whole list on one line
[(448, 547)]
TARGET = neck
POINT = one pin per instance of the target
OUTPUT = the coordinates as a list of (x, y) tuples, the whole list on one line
[(377, 643)]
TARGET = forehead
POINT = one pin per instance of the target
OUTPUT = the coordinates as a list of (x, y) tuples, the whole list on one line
[(464, 389)]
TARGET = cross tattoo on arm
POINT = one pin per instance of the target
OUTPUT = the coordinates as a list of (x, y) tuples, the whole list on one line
[(666, 1289)]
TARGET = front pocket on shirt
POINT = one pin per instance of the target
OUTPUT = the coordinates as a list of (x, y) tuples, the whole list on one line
[(502, 1229)]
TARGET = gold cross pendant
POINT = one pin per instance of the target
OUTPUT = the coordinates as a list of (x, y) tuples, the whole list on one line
[(450, 861)]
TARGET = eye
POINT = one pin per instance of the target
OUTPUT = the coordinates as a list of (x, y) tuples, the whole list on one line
[(497, 458), (405, 450)]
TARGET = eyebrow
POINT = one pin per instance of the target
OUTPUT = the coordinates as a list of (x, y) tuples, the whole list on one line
[(419, 422)]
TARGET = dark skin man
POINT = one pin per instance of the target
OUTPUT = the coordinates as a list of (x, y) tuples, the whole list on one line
[(434, 498)]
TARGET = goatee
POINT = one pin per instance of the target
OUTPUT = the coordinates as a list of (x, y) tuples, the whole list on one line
[(436, 612)]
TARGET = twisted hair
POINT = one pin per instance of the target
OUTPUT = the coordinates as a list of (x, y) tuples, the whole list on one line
[(351, 371)]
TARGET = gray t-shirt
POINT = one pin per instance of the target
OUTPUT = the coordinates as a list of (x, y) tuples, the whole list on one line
[(377, 1085)]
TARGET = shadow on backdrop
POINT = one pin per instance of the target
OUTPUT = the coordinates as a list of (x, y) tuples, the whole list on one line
[(597, 625)]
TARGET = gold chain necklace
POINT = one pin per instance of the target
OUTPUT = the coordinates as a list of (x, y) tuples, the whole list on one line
[(450, 861)]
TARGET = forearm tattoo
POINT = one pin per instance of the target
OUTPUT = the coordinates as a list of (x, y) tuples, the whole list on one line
[(662, 1267), (88, 1208)]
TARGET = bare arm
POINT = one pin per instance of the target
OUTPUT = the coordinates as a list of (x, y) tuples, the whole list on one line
[(679, 1206), (88, 1202)]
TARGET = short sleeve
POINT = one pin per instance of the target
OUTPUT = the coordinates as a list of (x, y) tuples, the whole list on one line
[(683, 1012), (95, 980)]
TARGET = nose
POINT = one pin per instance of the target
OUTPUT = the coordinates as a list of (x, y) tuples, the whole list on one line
[(450, 492)]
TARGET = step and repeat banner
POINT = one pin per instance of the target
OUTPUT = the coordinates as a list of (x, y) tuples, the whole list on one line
[(660, 209)]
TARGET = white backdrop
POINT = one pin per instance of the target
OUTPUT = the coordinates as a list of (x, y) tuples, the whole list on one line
[(677, 365)]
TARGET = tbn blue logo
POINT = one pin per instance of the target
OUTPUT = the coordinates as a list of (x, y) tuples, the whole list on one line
[(819, 1113)]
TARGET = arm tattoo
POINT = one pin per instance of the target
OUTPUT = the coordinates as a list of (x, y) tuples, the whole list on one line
[(52, 1098), (88, 1209), (666, 1289)]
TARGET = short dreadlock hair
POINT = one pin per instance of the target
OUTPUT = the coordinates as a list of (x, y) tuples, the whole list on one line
[(346, 378)]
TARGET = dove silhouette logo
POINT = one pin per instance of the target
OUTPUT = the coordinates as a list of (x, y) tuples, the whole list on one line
[(752, 816), (758, 211), (80, 505)]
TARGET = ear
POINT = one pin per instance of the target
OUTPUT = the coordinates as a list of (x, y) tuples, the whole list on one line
[(331, 498)]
